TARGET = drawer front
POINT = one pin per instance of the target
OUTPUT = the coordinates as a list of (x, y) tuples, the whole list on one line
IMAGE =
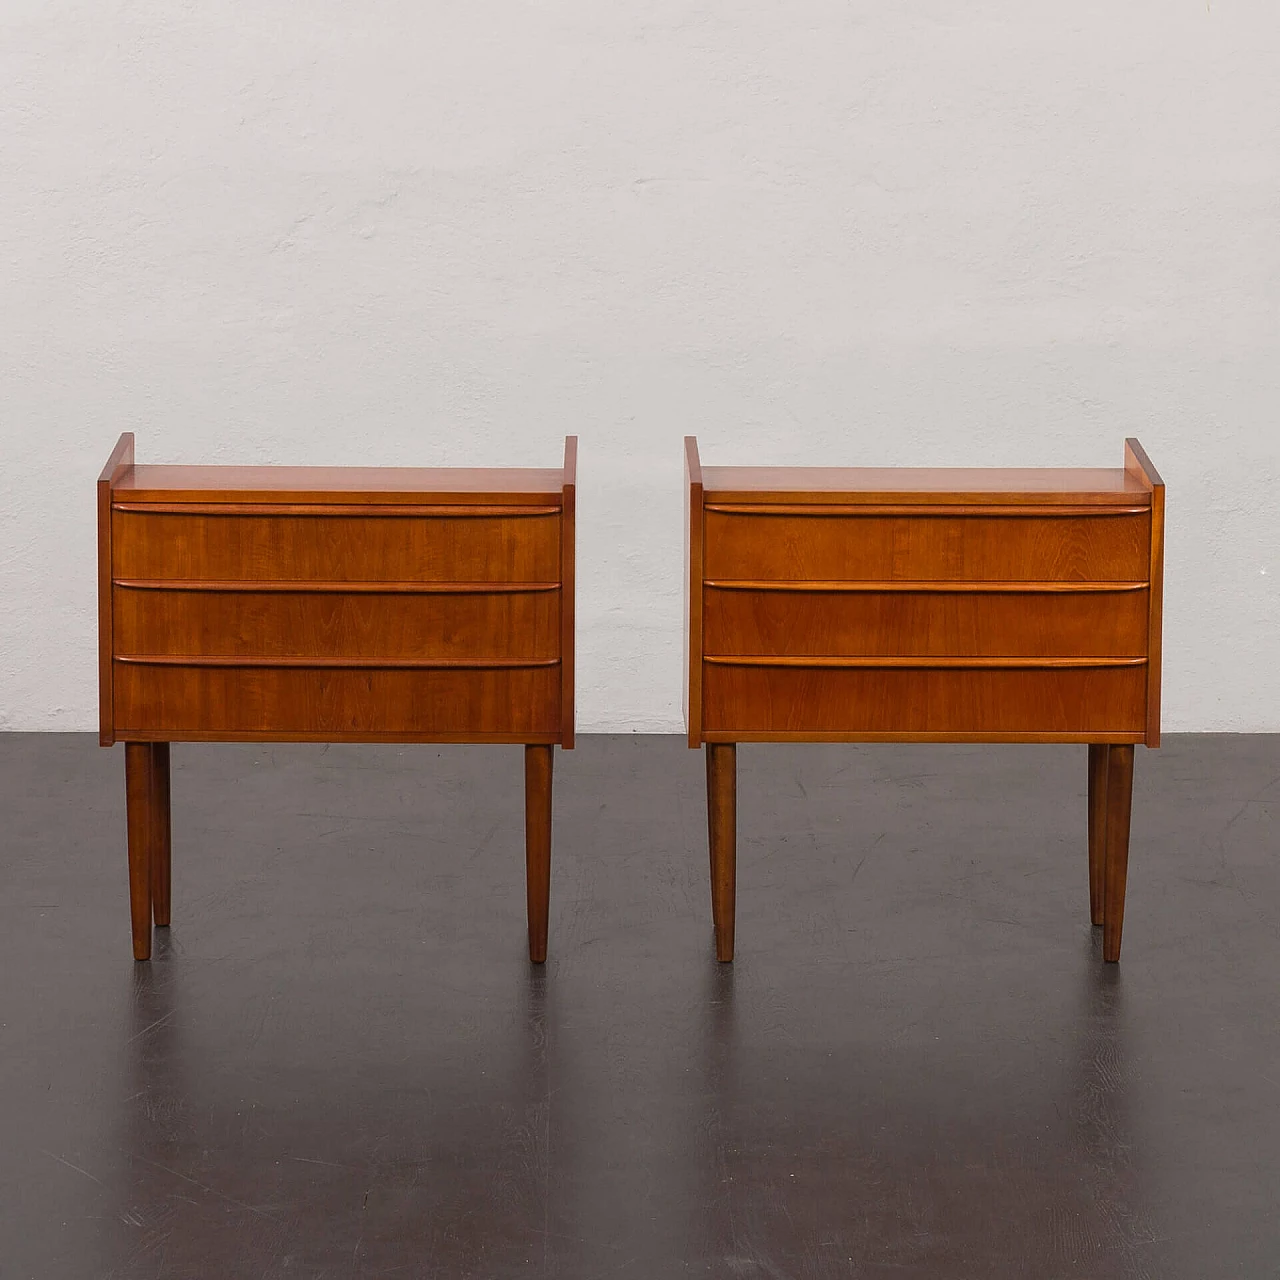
[(247, 702), (922, 548), (341, 548), (848, 701), (338, 624), (1021, 623)]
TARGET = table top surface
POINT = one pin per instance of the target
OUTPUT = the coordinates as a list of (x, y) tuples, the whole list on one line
[(1096, 486), (515, 486)]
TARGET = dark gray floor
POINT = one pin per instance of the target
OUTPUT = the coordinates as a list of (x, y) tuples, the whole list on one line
[(340, 1064)]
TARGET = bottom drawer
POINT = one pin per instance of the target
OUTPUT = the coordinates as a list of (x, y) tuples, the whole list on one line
[(334, 704), (761, 700)]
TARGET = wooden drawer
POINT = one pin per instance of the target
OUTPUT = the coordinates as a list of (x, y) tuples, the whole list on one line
[(808, 545), (779, 621), (345, 623), (168, 544), (273, 703), (740, 701)]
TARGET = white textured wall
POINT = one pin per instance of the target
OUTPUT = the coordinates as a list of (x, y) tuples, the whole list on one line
[(1003, 231)]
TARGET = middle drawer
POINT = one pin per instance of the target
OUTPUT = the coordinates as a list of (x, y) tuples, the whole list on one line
[(978, 620), (357, 621)]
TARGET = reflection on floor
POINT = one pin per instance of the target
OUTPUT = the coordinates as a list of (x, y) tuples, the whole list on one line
[(340, 1063)]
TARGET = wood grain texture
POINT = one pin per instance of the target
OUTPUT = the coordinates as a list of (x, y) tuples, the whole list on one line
[(331, 664), (837, 586), (1099, 763), (332, 604), (1139, 469), (722, 810), (1035, 623), (862, 510), (363, 486), (538, 764), (337, 548), (338, 624), (914, 735), (117, 466), (188, 703), (711, 831), (693, 596), (161, 835), (893, 663), (1119, 810), (1155, 648), (295, 587), (312, 510), (939, 548), (859, 701), (1139, 466), (496, 736), (1095, 487), (139, 781), (917, 605), (567, 600)]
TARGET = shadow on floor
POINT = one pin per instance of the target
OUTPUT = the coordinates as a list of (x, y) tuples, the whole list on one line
[(339, 1062)]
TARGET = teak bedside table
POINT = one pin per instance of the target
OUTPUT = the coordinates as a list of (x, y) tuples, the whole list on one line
[(329, 604), (904, 605)]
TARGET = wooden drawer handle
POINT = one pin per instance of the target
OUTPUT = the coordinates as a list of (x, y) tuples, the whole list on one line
[(928, 663), (343, 664), (909, 509), (247, 586), (939, 585), (351, 510)]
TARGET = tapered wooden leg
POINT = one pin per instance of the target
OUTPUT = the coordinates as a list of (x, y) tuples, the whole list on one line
[(1119, 809), (537, 845), (138, 788), (161, 839), (722, 811), (711, 834), (1098, 757)]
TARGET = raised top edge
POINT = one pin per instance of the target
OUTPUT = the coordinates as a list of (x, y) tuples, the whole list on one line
[(514, 486), (1138, 464), (692, 461), (1044, 486), (120, 461), (569, 472)]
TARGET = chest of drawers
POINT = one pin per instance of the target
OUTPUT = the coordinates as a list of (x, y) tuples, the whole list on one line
[(904, 605), (280, 604)]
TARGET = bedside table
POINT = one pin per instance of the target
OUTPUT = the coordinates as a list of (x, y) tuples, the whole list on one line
[(905, 605), (328, 604)]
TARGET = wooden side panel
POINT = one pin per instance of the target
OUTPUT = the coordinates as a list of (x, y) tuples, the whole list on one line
[(185, 703), (1137, 463), (337, 547), (762, 621), (568, 557), (853, 702), (1053, 548), (118, 464), (1155, 641), (693, 594), (106, 643), (337, 624)]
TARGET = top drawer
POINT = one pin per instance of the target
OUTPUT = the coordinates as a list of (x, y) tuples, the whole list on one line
[(810, 545), (292, 546)]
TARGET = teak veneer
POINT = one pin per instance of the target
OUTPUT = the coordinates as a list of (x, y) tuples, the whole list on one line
[(911, 605), (332, 604)]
